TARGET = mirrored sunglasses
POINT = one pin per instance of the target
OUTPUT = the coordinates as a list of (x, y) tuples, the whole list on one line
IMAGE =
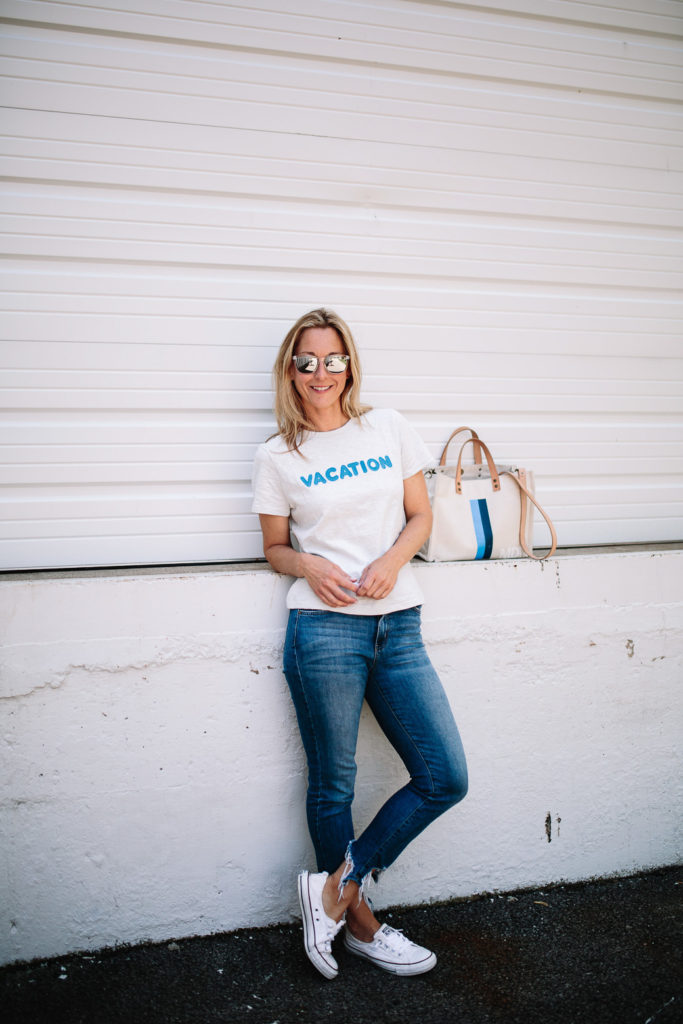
[(333, 363)]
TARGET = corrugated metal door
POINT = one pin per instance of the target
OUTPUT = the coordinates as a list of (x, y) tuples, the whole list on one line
[(489, 193)]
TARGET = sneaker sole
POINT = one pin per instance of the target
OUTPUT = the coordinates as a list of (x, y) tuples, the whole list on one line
[(328, 969), (404, 969)]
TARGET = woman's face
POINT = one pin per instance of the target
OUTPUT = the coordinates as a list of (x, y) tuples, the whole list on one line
[(320, 391)]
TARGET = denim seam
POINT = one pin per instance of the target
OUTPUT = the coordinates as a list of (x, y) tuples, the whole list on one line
[(308, 712), (374, 649)]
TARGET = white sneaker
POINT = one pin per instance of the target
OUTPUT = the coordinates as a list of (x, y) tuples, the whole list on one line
[(392, 951), (319, 929)]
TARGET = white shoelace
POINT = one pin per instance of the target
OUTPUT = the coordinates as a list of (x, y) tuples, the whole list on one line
[(393, 940), (326, 945)]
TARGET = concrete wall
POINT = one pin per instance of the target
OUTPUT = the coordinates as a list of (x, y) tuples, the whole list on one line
[(153, 779)]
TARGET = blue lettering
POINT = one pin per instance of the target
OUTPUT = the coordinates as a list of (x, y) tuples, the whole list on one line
[(332, 473)]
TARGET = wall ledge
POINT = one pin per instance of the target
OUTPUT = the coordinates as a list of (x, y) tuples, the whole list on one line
[(260, 565)]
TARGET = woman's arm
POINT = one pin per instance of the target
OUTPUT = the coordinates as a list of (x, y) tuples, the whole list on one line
[(325, 578), (379, 578)]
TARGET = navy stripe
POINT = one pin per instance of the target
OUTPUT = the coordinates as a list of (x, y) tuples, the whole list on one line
[(486, 524)]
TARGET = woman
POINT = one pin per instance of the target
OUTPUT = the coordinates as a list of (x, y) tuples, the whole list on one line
[(343, 508)]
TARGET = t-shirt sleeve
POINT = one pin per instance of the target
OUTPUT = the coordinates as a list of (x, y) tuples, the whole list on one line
[(269, 496), (414, 452)]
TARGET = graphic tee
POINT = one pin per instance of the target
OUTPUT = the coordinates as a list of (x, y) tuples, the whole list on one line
[(343, 494)]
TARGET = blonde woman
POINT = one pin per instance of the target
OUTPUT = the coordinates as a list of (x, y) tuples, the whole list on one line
[(343, 508)]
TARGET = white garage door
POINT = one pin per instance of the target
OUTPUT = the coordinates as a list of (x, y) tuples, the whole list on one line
[(488, 193)]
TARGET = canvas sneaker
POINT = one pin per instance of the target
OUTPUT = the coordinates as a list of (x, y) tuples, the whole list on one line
[(319, 929), (392, 951)]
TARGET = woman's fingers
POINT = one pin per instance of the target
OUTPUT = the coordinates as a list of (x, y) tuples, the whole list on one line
[(340, 591), (331, 583), (336, 596), (336, 588), (377, 579)]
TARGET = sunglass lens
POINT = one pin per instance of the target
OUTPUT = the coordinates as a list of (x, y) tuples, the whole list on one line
[(306, 364), (336, 364)]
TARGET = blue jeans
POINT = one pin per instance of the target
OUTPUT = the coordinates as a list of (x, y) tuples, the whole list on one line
[(332, 662)]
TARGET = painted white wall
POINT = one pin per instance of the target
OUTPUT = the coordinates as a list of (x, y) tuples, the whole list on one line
[(153, 779)]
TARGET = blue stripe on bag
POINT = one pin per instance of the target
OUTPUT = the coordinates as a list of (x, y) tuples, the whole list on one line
[(482, 527)]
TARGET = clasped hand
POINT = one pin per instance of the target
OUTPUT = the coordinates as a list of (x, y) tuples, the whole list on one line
[(336, 588)]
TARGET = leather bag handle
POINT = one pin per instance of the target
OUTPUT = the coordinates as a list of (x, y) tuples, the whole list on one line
[(477, 447), (495, 479), (524, 494)]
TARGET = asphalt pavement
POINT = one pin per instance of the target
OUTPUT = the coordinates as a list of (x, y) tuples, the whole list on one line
[(601, 952)]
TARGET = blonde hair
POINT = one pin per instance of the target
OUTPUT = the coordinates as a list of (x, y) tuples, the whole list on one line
[(292, 421)]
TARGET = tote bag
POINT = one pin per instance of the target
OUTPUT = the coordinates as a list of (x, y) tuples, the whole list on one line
[(481, 511)]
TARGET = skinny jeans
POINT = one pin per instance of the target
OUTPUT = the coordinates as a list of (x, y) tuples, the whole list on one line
[(332, 662)]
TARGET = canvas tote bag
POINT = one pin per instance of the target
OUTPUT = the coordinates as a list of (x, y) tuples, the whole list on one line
[(481, 511)]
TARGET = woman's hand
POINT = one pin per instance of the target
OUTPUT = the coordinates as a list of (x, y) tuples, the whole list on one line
[(379, 578), (328, 581)]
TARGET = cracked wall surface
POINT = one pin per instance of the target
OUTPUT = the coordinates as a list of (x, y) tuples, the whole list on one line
[(153, 779)]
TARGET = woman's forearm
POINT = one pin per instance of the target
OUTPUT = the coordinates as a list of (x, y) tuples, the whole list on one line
[(328, 581), (412, 537), (283, 558)]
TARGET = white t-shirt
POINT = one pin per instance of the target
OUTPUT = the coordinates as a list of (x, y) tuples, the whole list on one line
[(343, 494)]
